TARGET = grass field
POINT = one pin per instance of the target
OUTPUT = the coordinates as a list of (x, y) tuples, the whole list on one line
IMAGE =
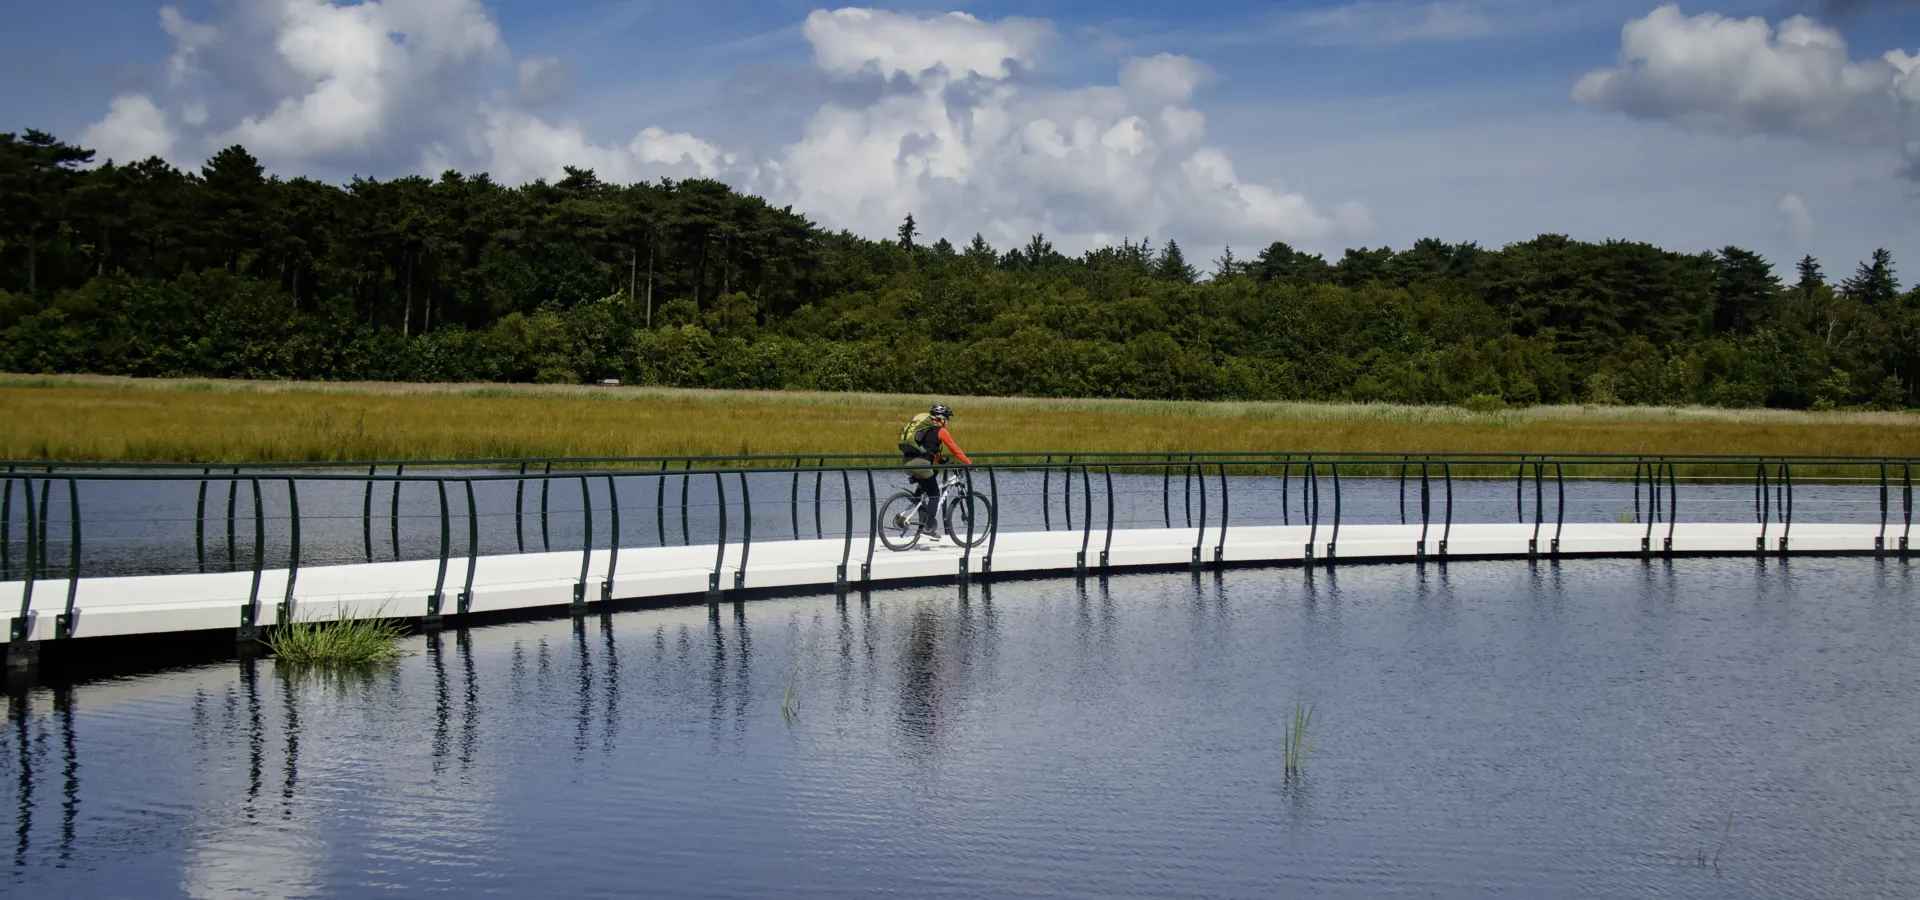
[(100, 418)]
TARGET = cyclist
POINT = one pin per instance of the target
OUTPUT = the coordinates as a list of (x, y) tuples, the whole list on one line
[(920, 442)]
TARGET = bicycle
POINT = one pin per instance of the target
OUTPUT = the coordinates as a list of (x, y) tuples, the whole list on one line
[(964, 511)]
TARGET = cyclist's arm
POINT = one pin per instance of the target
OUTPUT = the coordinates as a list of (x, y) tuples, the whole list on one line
[(953, 448)]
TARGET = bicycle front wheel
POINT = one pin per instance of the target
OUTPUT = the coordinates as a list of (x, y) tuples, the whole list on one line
[(969, 509), (899, 522)]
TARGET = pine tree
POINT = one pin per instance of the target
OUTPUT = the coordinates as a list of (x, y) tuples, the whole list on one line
[(1226, 266), (1810, 276), (1873, 283), (907, 231), (1172, 264)]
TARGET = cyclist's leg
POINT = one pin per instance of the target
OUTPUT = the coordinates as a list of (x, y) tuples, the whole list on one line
[(920, 469)]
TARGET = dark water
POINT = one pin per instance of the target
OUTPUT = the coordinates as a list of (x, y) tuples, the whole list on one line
[(171, 526), (1487, 730)]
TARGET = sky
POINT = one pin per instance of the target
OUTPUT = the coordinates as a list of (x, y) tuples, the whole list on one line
[(1788, 127)]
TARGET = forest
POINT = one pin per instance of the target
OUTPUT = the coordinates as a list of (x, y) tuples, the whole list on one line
[(145, 269)]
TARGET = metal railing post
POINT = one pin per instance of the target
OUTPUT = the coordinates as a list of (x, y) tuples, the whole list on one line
[(1446, 532), (1403, 490), (1520, 490), (873, 531), (6, 527), (1166, 494), (63, 623), (1539, 512), (993, 533), (233, 493), (746, 528), (818, 473), (793, 499), (285, 613), (520, 509), (432, 619), (473, 548), (579, 606), (200, 523), (1786, 479), (686, 482), (846, 543), (1559, 507), (366, 511), (613, 555), (1426, 511), (1106, 549), (1906, 505), (660, 505), (1086, 518), (966, 547), (546, 487), (1334, 541), (1880, 539), (1226, 510), (1310, 507), (1066, 495), (720, 551), (1200, 537), (250, 614), (1762, 505), (22, 650), (1046, 494), (1286, 471), (1673, 505), (393, 511)]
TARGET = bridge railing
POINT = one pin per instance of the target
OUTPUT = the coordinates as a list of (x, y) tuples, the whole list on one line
[(64, 523)]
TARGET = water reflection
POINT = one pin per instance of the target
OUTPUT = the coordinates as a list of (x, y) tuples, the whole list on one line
[(1030, 736)]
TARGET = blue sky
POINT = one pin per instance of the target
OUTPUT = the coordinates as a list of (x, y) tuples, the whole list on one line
[(1328, 124)]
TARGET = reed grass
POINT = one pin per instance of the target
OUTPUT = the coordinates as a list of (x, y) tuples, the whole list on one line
[(75, 418), (1299, 737), (340, 642), (1704, 860)]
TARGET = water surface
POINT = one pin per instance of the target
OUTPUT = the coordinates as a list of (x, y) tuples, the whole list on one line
[(1486, 729)]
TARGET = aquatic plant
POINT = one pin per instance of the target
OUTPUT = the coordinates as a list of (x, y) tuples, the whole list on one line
[(790, 700), (1626, 516), (343, 641), (1299, 739), (1703, 860)]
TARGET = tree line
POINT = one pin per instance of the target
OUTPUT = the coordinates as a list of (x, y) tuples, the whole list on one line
[(145, 269)]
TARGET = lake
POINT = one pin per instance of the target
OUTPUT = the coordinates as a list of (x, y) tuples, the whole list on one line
[(1582, 729)]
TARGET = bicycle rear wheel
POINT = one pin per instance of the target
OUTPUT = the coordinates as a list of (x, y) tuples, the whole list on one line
[(972, 508), (898, 523)]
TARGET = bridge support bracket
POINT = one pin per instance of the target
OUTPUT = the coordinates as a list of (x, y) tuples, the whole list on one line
[(1194, 564), (1879, 547), (1080, 564), (1330, 553), (21, 652), (1443, 552), (465, 603), (63, 625), (579, 605), (963, 576), (1783, 546), (1420, 551), (1533, 549), (1553, 548), (1103, 561), (1666, 546), (840, 580)]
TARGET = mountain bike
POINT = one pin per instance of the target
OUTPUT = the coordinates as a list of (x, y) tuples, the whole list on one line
[(957, 506)]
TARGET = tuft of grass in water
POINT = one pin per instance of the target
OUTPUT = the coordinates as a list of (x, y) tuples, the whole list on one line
[(342, 642), (1626, 516), (1703, 860), (790, 700), (1299, 739)]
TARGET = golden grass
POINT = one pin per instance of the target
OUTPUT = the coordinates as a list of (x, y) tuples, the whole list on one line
[(100, 418)]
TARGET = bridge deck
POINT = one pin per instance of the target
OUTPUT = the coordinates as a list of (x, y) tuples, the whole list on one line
[(151, 604)]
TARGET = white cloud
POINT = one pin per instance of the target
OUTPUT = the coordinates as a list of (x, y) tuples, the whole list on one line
[(854, 41), (946, 125), (133, 130), (1796, 218), (965, 146), (540, 80), (1743, 76)]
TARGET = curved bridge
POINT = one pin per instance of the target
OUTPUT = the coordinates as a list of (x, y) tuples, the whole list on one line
[(97, 550)]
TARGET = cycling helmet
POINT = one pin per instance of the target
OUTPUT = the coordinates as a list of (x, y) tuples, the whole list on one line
[(941, 411)]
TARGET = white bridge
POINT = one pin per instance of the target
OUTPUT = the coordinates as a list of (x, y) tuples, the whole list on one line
[(155, 604)]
